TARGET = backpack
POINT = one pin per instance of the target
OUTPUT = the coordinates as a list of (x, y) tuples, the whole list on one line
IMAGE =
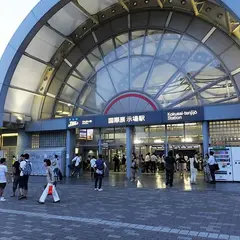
[(28, 169), (100, 165)]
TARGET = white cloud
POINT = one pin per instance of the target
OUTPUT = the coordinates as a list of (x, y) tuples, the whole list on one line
[(12, 13)]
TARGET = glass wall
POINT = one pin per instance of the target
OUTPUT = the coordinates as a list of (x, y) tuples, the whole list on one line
[(174, 69), (225, 133)]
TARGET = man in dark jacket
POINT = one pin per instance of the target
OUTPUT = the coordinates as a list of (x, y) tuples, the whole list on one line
[(170, 166)]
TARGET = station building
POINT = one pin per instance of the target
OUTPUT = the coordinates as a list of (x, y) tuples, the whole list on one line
[(116, 77)]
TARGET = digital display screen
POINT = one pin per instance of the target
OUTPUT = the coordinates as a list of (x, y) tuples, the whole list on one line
[(86, 134)]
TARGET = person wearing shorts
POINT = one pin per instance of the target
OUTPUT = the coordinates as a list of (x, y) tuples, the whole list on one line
[(3, 178), (23, 181), (16, 174)]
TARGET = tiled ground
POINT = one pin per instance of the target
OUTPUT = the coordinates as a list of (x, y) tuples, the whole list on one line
[(125, 210)]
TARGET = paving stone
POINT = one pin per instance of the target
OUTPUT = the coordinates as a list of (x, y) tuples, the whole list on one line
[(193, 233), (125, 212), (223, 236), (203, 234), (213, 235)]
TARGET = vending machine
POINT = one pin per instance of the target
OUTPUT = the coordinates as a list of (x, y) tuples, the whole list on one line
[(223, 156), (236, 163)]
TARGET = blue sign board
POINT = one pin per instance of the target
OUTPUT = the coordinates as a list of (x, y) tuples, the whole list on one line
[(194, 114), (80, 122)]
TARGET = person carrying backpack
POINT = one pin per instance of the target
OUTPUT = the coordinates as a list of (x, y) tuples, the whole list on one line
[(100, 167), (26, 170)]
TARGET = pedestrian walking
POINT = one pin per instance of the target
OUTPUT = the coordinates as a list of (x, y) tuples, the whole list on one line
[(194, 166), (153, 163), (181, 165), (170, 164), (56, 168), (147, 162), (134, 167), (116, 163), (124, 163), (3, 178), (16, 174), (50, 188), (26, 169), (92, 164), (212, 166), (76, 165), (100, 168)]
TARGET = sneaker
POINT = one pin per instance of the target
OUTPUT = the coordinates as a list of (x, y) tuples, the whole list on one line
[(95, 189), (56, 201), (21, 197), (100, 190), (2, 199)]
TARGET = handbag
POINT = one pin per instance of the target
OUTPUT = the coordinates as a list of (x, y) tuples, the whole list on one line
[(216, 167), (195, 164)]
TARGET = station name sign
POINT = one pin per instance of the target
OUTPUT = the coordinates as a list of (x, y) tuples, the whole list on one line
[(172, 116), (183, 115), (127, 119)]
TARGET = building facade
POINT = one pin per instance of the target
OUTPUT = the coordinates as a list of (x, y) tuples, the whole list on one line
[(118, 77)]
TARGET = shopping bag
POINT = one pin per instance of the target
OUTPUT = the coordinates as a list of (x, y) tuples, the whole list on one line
[(50, 190)]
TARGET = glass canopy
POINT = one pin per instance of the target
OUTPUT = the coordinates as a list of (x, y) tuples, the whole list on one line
[(175, 70)]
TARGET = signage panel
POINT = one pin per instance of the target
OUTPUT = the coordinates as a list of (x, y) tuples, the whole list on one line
[(193, 114), (80, 122)]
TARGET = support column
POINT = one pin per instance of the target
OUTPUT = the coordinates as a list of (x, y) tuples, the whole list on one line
[(23, 142), (205, 133), (129, 147), (70, 148), (166, 142), (100, 142)]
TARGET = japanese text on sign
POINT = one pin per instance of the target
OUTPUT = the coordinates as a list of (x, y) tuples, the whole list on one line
[(86, 122), (128, 119)]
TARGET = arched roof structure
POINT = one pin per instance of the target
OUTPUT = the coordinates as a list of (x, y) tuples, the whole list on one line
[(73, 57)]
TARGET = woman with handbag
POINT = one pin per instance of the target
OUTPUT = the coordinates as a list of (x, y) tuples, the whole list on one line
[(50, 189), (213, 166), (194, 166)]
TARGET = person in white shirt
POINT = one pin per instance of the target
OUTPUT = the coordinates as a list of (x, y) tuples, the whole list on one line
[(77, 167), (92, 164), (211, 164), (3, 178), (26, 168), (153, 163), (147, 162), (194, 168), (56, 168)]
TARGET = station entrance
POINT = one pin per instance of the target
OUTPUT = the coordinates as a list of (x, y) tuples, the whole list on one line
[(184, 139)]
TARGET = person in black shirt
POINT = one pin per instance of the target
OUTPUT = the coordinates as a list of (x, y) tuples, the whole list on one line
[(16, 174), (170, 167), (124, 163), (116, 163)]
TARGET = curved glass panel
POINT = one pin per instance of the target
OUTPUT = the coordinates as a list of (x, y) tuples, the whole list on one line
[(173, 68)]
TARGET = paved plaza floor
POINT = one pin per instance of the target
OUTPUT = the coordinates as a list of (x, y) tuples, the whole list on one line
[(125, 210)]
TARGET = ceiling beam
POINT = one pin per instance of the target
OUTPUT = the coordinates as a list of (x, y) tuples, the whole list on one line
[(233, 26), (195, 5), (161, 3), (85, 12), (124, 5), (59, 33)]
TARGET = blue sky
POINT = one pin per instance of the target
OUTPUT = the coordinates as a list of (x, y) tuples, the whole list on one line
[(12, 13)]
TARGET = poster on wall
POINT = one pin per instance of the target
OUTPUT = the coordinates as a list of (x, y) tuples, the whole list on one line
[(37, 157), (86, 134)]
